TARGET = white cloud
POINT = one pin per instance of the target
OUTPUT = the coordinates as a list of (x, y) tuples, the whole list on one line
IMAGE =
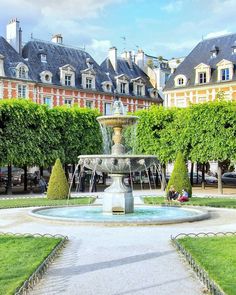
[(99, 49), (217, 34), (173, 6)]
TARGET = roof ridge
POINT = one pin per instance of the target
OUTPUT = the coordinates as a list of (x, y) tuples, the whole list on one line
[(217, 37)]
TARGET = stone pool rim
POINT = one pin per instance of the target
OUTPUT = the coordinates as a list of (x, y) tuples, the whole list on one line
[(202, 215)]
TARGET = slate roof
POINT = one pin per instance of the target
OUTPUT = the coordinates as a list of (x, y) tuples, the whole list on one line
[(58, 56), (202, 54), (132, 72), (11, 58)]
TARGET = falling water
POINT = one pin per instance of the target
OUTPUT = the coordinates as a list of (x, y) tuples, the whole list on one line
[(106, 138), (79, 177), (146, 170), (153, 178), (92, 179), (141, 182), (131, 178), (71, 183)]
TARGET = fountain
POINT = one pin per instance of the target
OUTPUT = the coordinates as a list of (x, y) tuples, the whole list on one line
[(118, 197), (118, 200)]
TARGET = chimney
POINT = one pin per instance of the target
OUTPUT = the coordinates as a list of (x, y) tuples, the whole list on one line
[(112, 55), (129, 59), (57, 39), (124, 55), (14, 35), (2, 72), (139, 59)]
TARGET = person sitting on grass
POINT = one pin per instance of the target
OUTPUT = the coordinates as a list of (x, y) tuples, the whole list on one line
[(172, 194), (184, 197)]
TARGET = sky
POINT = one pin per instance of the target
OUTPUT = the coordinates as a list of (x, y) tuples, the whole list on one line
[(168, 28)]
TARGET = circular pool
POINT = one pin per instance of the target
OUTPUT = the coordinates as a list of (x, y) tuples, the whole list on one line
[(142, 215)]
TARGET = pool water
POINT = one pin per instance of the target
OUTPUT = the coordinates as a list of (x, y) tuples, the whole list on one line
[(141, 214)]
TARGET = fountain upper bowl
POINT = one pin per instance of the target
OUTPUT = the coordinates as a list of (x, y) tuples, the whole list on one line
[(117, 164), (117, 120)]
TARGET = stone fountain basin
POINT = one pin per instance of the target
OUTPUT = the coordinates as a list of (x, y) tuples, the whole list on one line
[(117, 164), (117, 120)]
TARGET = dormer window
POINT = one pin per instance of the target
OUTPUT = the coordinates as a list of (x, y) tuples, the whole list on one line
[(46, 77), (107, 86), (180, 80), (153, 92), (122, 84), (214, 51), (22, 71), (138, 86), (67, 75), (88, 78), (202, 73), (225, 70), (234, 47)]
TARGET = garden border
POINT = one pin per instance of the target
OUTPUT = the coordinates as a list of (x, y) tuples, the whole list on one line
[(39, 272), (212, 287)]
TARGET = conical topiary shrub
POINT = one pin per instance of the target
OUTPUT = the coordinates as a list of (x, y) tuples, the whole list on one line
[(58, 187), (179, 177)]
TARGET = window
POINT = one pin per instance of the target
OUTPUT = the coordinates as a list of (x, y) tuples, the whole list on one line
[(107, 109), (202, 99), (122, 87), (181, 102), (139, 89), (43, 57), (22, 91), (89, 104), (180, 81), (202, 78), (225, 74), (68, 102), (89, 83), (67, 80), (47, 101), (22, 73)]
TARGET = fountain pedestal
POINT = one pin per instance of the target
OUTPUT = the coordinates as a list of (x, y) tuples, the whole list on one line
[(118, 198)]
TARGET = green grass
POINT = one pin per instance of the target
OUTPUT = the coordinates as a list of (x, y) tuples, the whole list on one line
[(195, 201), (217, 255), (20, 257), (35, 202)]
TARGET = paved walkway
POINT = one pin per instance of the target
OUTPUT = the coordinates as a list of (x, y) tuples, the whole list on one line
[(117, 260)]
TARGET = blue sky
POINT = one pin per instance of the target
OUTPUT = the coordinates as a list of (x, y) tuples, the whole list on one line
[(160, 27)]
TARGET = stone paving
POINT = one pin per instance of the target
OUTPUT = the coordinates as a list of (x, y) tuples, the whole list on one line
[(117, 260)]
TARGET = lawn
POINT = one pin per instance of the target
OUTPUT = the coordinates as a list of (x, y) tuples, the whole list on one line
[(217, 255), (35, 202), (195, 201), (20, 257)]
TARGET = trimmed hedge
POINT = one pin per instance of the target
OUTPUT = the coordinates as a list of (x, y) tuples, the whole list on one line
[(179, 177), (58, 187)]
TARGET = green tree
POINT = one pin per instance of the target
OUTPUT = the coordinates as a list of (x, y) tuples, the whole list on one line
[(179, 177), (58, 187)]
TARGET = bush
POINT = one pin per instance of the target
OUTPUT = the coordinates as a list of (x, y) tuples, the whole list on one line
[(179, 177), (58, 187)]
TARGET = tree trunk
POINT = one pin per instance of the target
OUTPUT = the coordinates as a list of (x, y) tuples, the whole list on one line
[(41, 171), (25, 178), (219, 173), (9, 180), (66, 171), (163, 177), (203, 176), (191, 173)]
